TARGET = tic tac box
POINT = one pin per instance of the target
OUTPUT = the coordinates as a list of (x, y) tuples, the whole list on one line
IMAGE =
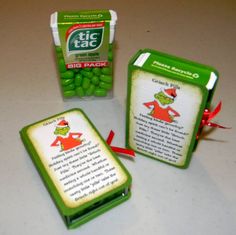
[(84, 42), (167, 96), (80, 171)]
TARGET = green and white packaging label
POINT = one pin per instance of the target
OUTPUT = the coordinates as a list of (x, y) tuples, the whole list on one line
[(160, 116), (84, 36), (82, 174), (166, 99), (78, 162)]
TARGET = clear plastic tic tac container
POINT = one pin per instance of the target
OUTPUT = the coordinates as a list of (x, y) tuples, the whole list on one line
[(84, 52)]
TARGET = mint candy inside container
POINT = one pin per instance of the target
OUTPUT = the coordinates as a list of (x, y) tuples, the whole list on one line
[(84, 52)]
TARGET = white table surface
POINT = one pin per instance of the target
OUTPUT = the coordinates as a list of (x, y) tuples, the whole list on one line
[(165, 200)]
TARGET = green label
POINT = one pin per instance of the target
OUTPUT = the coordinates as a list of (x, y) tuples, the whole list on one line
[(179, 68), (83, 40), (84, 16)]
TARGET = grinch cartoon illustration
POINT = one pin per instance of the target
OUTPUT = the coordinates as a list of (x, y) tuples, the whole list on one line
[(160, 106), (65, 139)]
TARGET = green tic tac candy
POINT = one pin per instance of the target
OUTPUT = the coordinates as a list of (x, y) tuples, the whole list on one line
[(58, 49), (106, 78), (69, 87), (70, 93), (79, 91), (62, 66), (105, 85), (110, 56), (67, 75), (87, 69), (106, 70), (97, 71), (100, 92), (76, 70), (66, 82), (86, 83), (78, 79), (95, 80), (60, 55), (86, 73), (90, 90)]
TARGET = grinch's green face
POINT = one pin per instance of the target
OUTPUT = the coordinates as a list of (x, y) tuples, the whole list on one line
[(62, 130), (163, 99)]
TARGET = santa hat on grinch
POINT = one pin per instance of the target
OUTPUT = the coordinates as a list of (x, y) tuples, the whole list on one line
[(62, 123), (170, 92)]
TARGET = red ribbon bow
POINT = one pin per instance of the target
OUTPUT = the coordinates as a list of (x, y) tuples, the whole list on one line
[(122, 151), (208, 116)]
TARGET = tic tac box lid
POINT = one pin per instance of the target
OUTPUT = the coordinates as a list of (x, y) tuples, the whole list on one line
[(80, 171), (82, 16), (167, 96)]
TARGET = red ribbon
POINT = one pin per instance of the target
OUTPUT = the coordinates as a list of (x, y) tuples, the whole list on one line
[(122, 151), (208, 116)]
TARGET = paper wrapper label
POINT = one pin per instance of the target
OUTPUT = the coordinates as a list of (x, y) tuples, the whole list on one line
[(167, 96), (162, 130), (84, 37), (76, 159)]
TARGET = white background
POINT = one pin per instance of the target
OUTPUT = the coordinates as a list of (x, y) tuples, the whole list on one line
[(165, 200)]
